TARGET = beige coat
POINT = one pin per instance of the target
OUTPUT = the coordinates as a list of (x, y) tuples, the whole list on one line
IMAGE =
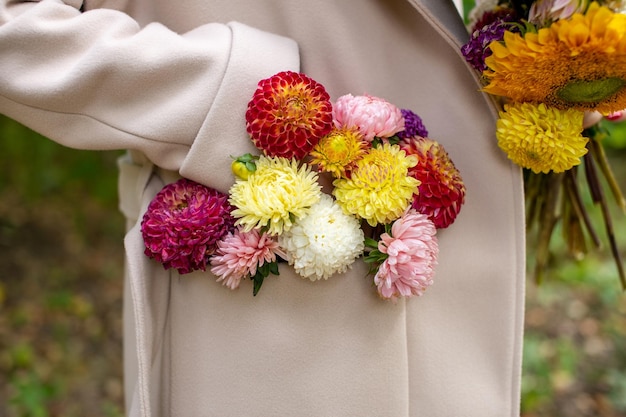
[(174, 92)]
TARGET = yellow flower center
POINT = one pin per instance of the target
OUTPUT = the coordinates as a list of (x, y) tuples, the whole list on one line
[(298, 105), (337, 151)]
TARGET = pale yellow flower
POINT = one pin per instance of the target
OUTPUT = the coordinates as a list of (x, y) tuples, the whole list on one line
[(274, 196), (379, 189)]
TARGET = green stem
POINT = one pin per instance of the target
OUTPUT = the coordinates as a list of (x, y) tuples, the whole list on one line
[(547, 220), (608, 223), (600, 157), (579, 207)]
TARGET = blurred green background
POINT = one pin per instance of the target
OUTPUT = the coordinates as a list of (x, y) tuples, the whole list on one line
[(61, 286), (60, 281)]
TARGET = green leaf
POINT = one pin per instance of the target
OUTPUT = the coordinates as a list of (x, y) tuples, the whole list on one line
[(263, 272), (251, 166), (371, 243), (258, 282)]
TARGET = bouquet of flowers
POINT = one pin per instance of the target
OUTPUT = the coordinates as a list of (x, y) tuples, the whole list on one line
[(392, 188), (556, 67)]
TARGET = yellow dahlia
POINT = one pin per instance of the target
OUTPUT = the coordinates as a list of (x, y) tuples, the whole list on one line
[(541, 138), (275, 195), (338, 151), (577, 63), (379, 189)]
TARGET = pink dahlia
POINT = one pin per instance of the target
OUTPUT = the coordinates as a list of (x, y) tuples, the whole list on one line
[(441, 192), (372, 116), (288, 114), (239, 255), (411, 251), (183, 224)]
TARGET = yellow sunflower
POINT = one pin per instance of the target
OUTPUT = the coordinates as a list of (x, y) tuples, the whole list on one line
[(577, 63)]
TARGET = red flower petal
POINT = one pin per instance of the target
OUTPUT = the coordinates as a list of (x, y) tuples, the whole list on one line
[(441, 192), (288, 114)]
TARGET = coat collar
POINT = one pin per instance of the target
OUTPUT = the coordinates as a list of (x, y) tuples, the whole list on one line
[(444, 17)]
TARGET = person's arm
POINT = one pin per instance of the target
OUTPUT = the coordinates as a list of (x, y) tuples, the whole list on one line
[(97, 80)]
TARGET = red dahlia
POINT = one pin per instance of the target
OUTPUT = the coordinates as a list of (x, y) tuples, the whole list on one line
[(183, 224), (441, 192), (288, 114)]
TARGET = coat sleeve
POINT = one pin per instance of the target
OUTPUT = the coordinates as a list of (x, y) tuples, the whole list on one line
[(97, 80)]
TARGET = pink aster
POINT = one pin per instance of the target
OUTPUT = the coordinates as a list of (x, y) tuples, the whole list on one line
[(183, 224), (239, 255), (372, 116), (411, 250)]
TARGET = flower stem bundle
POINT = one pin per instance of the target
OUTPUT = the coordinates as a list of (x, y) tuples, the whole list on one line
[(553, 66)]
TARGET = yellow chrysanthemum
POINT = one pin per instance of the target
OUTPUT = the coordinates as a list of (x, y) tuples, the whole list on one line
[(577, 63), (275, 195), (541, 138), (379, 189), (338, 151)]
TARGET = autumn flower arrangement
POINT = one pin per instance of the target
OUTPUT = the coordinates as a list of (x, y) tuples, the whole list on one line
[(556, 67), (392, 188)]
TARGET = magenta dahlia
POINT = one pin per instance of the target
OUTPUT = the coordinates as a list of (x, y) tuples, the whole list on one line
[(288, 114), (441, 192), (183, 224)]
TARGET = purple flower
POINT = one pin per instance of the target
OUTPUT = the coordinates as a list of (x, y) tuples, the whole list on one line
[(183, 224), (413, 125), (476, 49)]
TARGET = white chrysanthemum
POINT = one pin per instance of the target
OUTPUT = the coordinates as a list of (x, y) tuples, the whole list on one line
[(325, 242)]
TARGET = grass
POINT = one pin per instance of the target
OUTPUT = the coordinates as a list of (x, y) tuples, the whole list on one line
[(61, 287)]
